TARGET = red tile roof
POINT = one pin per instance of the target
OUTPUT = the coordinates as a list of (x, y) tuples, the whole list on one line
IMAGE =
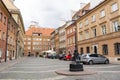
[(44, 31)]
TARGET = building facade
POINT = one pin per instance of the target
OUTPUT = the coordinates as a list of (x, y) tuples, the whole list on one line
[(62, 39), (16, 14), (99, 30), (52, 40), (70, 37), (37, 40), (57, 40), (12, 39), (4, 16)]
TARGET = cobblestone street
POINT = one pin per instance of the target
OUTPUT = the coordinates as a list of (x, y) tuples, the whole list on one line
[(32, 68)]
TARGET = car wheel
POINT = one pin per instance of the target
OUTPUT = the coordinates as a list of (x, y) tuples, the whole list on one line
[(107, 62), (90, 62)]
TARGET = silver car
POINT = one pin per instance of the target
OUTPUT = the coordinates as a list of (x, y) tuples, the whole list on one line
[(94, 58)]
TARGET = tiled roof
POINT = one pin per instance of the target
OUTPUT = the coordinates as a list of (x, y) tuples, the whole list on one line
[(44, 31)]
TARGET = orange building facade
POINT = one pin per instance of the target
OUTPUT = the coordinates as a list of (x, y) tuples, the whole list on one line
[(37, 39), (4, 15)]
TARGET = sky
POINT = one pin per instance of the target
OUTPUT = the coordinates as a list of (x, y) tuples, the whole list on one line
[(48, 13)]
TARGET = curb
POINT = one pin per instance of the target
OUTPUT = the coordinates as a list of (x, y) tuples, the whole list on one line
[(76, 73)]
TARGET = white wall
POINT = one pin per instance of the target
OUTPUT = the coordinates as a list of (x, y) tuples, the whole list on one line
[(94, 3)]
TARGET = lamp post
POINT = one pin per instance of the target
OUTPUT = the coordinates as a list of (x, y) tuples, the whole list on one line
[(76, 65)]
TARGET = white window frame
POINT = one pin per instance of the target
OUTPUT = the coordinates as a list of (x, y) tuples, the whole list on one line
[(114, 7), (94, 34), (103, 29), (115, 25), (102, 13), (86, 34), (93, 18)]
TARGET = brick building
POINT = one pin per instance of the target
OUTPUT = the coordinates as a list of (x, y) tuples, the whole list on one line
[(37, 39), (4, 16)]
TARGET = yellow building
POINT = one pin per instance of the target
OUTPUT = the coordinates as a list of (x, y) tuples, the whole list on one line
[(98, 30)]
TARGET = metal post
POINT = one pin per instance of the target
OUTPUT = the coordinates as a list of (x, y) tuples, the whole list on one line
[(76, 66)]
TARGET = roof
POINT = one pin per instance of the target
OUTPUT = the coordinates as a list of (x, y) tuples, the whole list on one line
[(10, 5), (44, 31)]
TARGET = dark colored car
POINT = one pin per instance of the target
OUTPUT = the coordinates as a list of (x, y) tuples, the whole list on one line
[(94, 58), (61, 56)]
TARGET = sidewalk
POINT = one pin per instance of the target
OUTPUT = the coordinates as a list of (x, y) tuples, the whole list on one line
[(115, 63), (7, 64)]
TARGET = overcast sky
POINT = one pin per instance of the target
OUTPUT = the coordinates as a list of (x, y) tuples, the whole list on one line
[(48, 13)]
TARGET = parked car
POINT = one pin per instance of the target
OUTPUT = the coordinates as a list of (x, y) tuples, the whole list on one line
[(68, 57), (61, 56), (94, 58)]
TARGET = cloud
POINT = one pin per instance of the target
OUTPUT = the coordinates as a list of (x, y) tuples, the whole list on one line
[(48, 13)]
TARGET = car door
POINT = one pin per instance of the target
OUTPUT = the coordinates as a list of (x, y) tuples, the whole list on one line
[(94, 58), (101, 58)]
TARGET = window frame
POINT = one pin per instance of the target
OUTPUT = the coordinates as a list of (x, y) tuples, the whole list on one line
[(102, 13), (105, 49), (93, 18), (1, 16), (103, 28), (114, 7), (117, 48)]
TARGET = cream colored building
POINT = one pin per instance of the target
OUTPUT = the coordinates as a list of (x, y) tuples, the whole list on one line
[(99, 30)]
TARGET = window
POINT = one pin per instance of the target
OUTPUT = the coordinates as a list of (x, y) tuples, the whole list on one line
[(81, 38), (81, 50), (1, 15), (114, 7), (71, 30), (103, 29), (3, 36), (117, 48), (29, 38), (116, 26), (102, 13), (105, 49), (93, 55), (29, 43), (88, 49), (28, 47), (0, 52), (94, 32), (80, 25), (4, 20), (93, 18), (86, 22), (86, 34)]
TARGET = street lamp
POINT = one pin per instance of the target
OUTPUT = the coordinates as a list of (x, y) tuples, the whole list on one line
[(76, 65)]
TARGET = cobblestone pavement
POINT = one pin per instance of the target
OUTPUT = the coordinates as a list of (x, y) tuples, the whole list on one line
[(32, 68)]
